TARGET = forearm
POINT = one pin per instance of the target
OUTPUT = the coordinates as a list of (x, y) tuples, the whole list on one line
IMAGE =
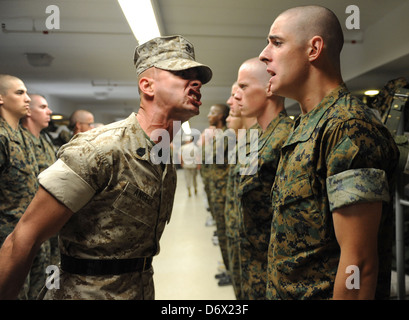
[(43, 218), (356, 229), (15, 264), (358, 282)]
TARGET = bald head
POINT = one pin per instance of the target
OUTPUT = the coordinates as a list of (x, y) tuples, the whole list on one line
[(5, 81), (223, 110), (254, 70), (81, 121), (257, 69), (310, 21)]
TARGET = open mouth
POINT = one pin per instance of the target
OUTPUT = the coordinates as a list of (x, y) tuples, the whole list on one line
[(194, 97), (273, 74)]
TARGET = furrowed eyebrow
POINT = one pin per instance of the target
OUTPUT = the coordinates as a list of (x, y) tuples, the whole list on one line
[(273, 37)]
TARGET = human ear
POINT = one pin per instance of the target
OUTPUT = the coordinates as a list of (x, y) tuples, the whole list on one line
[(315, 48), (146, 86), (269, 92)]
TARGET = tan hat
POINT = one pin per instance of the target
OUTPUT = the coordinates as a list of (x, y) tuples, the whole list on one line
[(171, 53)]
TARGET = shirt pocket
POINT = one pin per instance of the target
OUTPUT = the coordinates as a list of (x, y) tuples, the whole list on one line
[(137, 204), (296, 191), (299, 215), (21, 162)]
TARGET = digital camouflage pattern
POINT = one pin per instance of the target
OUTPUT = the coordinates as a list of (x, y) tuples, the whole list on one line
[(44, 151), (18, 185), (231, 218), (255, 211), (123, 217), (231, 211), (172, 53), (218, 176), (18, 172), (205, 174), (339, 144), (383, 100), (48, 253)]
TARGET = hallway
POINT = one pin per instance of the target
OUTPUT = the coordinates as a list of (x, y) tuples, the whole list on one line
[(188, 260)]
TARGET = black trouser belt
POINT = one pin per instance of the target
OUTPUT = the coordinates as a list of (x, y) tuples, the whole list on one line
[(95, 267)]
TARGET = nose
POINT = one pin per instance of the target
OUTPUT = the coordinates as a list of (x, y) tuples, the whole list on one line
[(196, 83), (229, 101), (28, 99), (237, 95), (264, 55)]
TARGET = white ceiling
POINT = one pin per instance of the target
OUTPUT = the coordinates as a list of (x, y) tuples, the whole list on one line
[(93, 49)]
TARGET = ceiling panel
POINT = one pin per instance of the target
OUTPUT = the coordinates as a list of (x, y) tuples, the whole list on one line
[(93, 49)]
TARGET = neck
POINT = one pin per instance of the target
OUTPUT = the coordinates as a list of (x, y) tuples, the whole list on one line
[(249, 122), (271, 112), (12, 121), (35, 131), (150, 121), (317, 88), (219, 125)]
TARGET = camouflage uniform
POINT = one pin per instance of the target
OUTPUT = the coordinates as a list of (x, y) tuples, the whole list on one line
[(204, 174), (48, 253), (231, 214), (338, 154), (121, 203), (255, 211), (18, 180), (44, 151), (217, 184), (205, 171)]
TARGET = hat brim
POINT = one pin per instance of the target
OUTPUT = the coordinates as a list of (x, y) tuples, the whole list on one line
[(205, 73)]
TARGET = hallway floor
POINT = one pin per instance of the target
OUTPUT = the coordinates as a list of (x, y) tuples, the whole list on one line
[(188, 261)]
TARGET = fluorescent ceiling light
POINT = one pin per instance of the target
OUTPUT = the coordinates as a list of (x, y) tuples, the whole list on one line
[(39, 59), (371, 92), (141, 18)]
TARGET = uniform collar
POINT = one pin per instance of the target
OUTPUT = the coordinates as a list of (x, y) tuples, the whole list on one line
[(305, 124), (15, 135), (142, 144), (271, 127)]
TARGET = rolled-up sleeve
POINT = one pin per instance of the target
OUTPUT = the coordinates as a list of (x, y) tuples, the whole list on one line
[(357, 185), (66, 186)]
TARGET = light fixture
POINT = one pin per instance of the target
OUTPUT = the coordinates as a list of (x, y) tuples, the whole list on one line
[(371, 92), (141, 18), (101, 95), (39, 59), (57, 117)]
